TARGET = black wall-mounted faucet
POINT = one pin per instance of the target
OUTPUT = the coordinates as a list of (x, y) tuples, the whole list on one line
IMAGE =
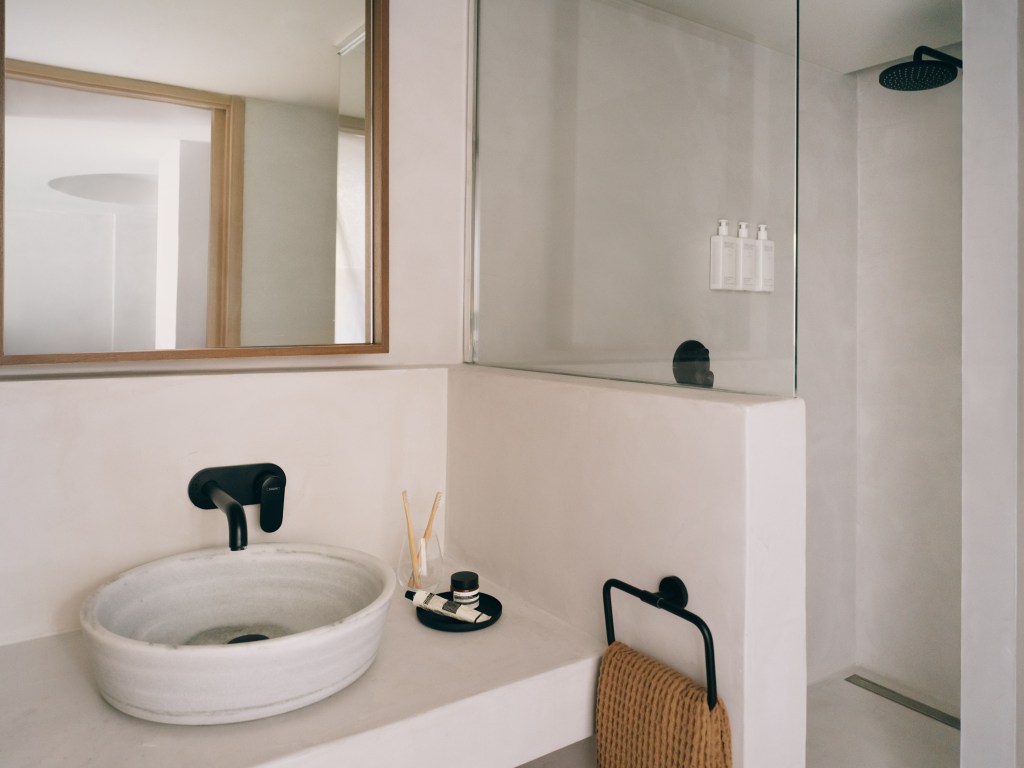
[(229, 488), (238, 529)]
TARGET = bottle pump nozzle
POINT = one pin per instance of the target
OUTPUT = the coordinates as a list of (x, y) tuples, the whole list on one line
[(762, 231), (723, 226)]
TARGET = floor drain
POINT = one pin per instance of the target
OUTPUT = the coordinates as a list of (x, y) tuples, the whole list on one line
[(888, 693), (248, 639)]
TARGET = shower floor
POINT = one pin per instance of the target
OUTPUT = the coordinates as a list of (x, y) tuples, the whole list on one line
[(849, 727)]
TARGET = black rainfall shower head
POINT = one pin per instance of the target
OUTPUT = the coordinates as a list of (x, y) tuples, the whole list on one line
[(921, 74)]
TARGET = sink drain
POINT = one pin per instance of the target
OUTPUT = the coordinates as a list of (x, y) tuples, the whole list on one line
[(248, 639), (242, 632)]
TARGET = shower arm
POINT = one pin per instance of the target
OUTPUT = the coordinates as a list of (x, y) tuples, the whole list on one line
[(921, 50)]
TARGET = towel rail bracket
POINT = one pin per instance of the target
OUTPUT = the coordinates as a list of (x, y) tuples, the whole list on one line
[(672, 596)]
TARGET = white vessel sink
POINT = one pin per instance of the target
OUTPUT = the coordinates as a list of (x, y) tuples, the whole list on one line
[(178, 640)]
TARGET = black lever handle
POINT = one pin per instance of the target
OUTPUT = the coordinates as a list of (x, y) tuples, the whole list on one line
[(271, 495)]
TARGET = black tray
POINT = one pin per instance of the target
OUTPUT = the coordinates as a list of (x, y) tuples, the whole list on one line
[(489, 605)]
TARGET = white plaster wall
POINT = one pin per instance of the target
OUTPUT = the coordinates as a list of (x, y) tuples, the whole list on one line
[(597, 208), (56, 309), (908, 386), (557, 484), (355, 438), (991, 647), (289, 222), (134, 299), (678, 125), (96, 471), (1020, 389), (525, 121), (827, 360), (193, 244), (427, 190)]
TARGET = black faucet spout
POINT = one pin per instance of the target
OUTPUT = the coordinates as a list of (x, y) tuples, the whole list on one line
[(228, 488), (238, 531)]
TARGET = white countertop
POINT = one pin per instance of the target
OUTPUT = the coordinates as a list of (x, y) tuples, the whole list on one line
[(524, 687)]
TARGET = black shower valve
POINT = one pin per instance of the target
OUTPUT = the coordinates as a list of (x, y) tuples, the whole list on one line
[(691, 365)]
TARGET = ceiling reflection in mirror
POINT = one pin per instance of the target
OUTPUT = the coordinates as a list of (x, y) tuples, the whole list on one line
[(202, 179)]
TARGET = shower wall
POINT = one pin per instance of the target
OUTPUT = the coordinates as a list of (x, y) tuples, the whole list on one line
[(908, 386), (827, 363), (879, 368)]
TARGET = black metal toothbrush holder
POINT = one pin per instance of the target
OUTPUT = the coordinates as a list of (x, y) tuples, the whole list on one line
[(672, 597)]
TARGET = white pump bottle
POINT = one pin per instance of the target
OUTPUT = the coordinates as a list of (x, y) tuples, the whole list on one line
[(724, 259), (748, 259), (765, 260)]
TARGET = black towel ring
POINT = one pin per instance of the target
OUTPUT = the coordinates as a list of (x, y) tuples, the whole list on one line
[(672, 597)]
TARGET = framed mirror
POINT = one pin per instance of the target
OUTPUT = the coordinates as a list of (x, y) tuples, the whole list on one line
[(196, 180)]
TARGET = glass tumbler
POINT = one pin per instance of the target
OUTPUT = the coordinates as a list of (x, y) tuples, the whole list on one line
[(431, 574)]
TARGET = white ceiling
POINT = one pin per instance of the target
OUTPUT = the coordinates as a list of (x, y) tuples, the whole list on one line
[(56, 132), (849, 36), (285, 49), (279, 50), (841, 35), (282, 50)]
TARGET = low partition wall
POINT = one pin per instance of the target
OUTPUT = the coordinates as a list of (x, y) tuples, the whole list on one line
[(559, 483)]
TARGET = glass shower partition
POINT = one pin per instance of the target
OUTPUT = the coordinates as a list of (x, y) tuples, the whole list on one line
[(612, 136)]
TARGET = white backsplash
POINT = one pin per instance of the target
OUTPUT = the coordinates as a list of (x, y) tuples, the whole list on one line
[(95, 471)]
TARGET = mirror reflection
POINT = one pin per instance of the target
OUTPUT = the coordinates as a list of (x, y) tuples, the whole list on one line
[(192, 177)]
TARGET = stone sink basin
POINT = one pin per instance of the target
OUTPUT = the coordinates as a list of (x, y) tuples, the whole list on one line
[(181, 640)]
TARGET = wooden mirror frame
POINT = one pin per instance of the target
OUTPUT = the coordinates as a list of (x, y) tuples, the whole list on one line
[(225, 271)]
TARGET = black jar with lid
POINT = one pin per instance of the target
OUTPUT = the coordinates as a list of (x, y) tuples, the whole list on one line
[(466, 588)]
